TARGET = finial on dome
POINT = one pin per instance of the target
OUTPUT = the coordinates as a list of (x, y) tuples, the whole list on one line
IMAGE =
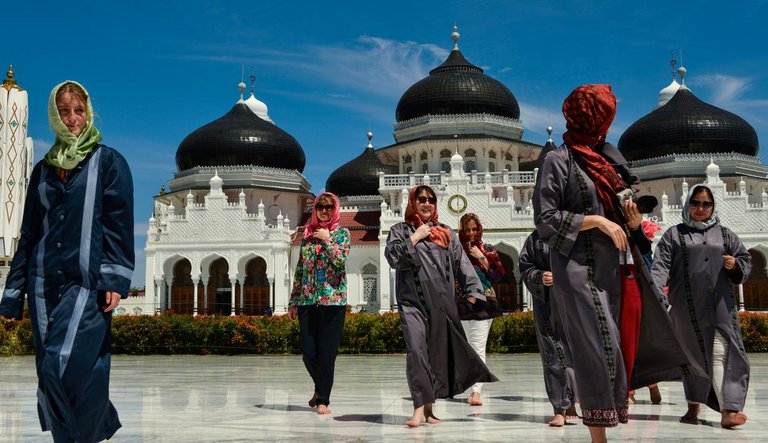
[(455, 37), (681, 70), (370, 137), (549, 133), (9, 82), (252, 78)]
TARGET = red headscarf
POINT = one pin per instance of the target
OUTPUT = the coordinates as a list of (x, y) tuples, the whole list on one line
[(589, 111), (439, 235), (315, 223), (491, 256)]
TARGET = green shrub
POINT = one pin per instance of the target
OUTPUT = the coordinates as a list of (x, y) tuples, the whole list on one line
[(363, 334)]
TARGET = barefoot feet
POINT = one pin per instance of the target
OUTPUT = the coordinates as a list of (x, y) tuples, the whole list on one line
[(421, 415), (655, 394), (474, 399), (558, 421), (313, 401), (571, 415), (323, 410), (732, 418), (692, 416)]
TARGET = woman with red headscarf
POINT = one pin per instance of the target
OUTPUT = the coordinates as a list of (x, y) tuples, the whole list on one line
[(319, 295), (477, 320), (579, 216), (428, 261)]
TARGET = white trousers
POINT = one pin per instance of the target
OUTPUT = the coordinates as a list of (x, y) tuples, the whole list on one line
[(719, 362), (477, 334)]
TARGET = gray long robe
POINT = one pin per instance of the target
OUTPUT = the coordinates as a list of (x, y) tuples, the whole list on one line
[(558, 370), (440, 362), (587, 295), (713, 306)]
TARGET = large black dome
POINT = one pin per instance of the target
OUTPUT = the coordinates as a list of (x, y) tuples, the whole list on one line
[(359, 176), (687, 125), (240, 137), (457, 87)]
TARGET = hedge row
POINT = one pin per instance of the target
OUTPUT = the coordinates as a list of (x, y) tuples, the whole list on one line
[(363, 334)]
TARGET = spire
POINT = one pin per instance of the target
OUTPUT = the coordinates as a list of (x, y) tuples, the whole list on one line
[(549, 134), (370, 136), (9, 82), (672, 63), (252, 78), (681, 70), (455, 37)]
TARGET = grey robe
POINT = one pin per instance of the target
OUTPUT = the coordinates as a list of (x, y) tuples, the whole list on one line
[(713, 306), (586, 294), (440, 362), (558, 370)]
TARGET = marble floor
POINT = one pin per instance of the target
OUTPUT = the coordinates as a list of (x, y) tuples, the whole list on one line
[(264, 398)]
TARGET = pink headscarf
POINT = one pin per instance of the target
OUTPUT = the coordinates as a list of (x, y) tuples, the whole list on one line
[(315, 223)]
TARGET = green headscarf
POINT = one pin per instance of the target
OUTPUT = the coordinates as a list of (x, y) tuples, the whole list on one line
[(68, 150)]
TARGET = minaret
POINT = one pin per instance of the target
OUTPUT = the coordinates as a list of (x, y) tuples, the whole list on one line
[(16, 157)]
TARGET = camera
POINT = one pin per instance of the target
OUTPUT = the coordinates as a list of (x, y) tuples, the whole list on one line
[(645, 204)]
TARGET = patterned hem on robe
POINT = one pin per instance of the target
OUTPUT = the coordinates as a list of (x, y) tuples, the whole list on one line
[(605, 417)]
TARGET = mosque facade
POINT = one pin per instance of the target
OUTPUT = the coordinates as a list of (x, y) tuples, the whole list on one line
[(224, 238)]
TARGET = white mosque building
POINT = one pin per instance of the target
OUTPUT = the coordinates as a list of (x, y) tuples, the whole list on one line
[(224, 238)]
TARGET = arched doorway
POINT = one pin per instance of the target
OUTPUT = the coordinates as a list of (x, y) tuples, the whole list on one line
[(756, 287), (507, 290), (256, 289), (219, 288), (182, 289)]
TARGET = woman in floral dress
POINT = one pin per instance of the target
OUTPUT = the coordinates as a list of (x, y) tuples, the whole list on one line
[(319, 295)]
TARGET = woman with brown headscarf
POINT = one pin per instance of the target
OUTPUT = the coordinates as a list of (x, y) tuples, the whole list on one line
[(428, 261)]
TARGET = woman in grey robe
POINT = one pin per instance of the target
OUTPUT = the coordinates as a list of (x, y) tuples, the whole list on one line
[(429, 260), (700, 260), (558, 370)]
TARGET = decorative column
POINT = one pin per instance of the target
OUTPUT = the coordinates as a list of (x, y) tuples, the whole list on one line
[(159, 287), (168, 300), (195, 281), (241, 280), (205, 279), (233, 282), (741, 298), (385, 297)]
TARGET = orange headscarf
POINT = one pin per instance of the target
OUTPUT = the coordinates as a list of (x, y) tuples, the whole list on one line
[(439, 235), (589, 111)]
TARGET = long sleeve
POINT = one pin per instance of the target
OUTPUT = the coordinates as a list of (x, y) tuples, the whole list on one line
[(12, 303), (400, 252), (530, 270), (337, 248), (740, 273), (465, 273), (662, 259), (118, 259), (557, 227), (298, 280)]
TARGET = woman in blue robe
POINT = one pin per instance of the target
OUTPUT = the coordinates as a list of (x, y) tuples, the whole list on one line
[(75, 261)]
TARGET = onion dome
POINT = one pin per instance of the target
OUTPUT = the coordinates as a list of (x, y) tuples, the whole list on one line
[(687, 125), (548, 146), (457, 87), (240, 137), (359, 176)]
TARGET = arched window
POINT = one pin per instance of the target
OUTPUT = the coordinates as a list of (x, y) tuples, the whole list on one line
[(445, 153), (491, 167), (370, 283), (424, 168), (508, 167), (469, 165), (445, 166), (407, 159), (423, 155), (470, 153), (408, 170), (492, 154), (508, 157)]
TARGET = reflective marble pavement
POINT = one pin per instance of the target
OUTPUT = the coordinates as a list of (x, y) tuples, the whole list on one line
[(264, 398)]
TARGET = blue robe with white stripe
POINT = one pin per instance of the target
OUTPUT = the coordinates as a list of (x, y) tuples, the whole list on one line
[(76, 243)]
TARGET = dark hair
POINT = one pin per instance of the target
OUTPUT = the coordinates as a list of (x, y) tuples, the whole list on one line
[(422, 188), (468, 217), (699, 189)]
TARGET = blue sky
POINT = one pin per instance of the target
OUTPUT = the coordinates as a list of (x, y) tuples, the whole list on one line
[(330, 71)]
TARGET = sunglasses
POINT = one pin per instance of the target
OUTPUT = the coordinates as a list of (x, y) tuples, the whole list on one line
[(324, 207), (431, 200), (701, 204)]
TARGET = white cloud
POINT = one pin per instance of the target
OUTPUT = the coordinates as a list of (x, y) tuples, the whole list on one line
[(730, 93)]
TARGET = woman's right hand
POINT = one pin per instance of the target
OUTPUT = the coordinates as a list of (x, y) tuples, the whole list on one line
[(5, 319), (292, 311), (421, 233), (608, 228)]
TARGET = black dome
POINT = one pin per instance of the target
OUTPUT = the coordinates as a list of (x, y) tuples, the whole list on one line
[(358, 176), (240, 137), (687, 125), (457, 87)]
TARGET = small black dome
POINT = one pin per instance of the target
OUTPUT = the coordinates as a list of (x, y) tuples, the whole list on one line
[(687, 125), (359, 176), (240, 137), (457, 87)]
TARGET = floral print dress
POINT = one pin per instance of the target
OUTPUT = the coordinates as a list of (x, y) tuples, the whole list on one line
[(321, 277)]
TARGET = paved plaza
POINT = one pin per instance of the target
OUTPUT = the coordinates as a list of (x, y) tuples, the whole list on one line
[(264, 398)]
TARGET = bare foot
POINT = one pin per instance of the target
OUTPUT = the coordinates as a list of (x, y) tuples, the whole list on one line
[(417, 419), (655, 394), (692, 416), (558, 421), (732, 418), (474, 399), (431, 419), (571, 415), (313, 401), (631, 399), (598, 434), (323, 409)]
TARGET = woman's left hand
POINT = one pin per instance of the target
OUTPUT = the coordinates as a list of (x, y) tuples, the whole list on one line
[(474, 251), (322, 234), (111, 301), (632, 215), (729, 262), (471, 299)]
